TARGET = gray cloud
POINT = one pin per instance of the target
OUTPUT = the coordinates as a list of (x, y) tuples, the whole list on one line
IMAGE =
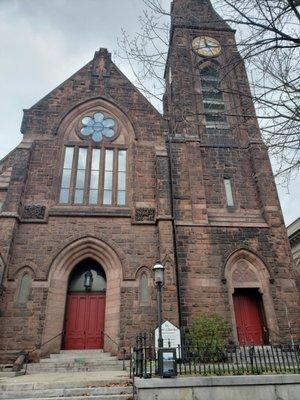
[(42, 43)]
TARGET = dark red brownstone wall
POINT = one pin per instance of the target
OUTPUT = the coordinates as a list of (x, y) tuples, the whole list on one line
[(207, 232), (35, 181)]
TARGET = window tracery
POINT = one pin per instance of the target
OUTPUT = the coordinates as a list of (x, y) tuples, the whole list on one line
[(94, 170), (98, 126), (94, 176)]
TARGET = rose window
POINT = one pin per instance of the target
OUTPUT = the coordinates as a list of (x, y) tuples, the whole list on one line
[(98, 127)]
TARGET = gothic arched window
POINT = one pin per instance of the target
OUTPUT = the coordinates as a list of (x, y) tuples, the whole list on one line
[(94, 165), (213, 99), (24, 290), (144, 288)]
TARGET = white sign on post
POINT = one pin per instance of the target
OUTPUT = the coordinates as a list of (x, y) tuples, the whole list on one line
[(170, 334)]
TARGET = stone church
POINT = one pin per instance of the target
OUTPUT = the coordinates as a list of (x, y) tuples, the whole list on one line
[(102, 186)]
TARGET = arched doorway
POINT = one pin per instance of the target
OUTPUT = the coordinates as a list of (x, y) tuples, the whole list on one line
[(58, 281), (85, 307), (250, 299)]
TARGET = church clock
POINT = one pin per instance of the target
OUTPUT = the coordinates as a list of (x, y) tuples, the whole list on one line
[(206, 46)]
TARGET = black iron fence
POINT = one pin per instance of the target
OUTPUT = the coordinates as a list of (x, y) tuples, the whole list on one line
[(212, 359)]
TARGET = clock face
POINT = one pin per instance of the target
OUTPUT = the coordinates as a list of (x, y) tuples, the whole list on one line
[(206, 46)]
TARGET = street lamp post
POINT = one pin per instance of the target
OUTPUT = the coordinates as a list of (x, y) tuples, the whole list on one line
[(159, 281)]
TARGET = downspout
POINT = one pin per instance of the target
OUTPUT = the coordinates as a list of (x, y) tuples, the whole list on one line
[(174, 229)]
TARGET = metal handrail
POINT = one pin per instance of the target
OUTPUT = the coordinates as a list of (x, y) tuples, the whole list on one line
[(27, 353), (116, 344), (112, 340)]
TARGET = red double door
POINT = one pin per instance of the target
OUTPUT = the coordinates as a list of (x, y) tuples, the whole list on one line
[(84, 321), (249, 317)]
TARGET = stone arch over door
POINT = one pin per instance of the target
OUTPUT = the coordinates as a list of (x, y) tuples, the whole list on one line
[(60, 271), (245, 270)]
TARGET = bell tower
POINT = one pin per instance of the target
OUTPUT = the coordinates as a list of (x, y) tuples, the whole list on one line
[(207, 86), (223, 191)]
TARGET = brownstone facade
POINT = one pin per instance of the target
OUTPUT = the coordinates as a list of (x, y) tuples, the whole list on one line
[(176, 208)]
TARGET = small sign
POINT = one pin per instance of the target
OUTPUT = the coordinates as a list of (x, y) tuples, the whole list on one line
[(170, 334)]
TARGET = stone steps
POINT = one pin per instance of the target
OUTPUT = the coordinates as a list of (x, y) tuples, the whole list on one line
[(113, 393), (104, 397), (76, 361), (54, 381), (93, 351), (71, 375), (38, 369), (61, 358), (71, 361)]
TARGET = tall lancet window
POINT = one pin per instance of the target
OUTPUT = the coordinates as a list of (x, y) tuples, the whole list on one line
[(24, 289), (144, 288), (213, 99)]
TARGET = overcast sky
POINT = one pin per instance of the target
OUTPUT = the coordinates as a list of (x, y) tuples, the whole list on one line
[(43, 42)]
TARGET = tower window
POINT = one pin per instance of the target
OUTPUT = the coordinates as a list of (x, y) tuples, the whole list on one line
[(93, 176), (213, 100), (228, 192)]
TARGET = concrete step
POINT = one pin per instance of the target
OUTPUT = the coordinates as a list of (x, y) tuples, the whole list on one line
[(101, 397), (75, 393), (61, 357), (99, 351), (76, 361), (7, 374), (62, 361), (71, 380), (38, 369)]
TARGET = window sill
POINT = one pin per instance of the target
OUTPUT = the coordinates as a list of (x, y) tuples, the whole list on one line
[(88, 211), (231, 209)]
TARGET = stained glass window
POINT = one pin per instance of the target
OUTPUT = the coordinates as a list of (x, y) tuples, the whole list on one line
[(98, 126)]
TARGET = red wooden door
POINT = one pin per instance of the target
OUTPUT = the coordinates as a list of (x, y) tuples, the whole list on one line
[(84, 321), (248, 318)]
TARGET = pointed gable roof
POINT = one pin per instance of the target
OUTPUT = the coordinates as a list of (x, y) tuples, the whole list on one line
[(198, 14), (98, 78)]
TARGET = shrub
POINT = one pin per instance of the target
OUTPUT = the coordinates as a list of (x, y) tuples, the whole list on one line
[(207, 335)]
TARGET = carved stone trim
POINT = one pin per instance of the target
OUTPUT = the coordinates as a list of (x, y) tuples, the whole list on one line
[(33, 211), (144, 214)]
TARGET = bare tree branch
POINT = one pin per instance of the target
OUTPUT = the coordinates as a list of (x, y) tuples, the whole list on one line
[(268, 40)]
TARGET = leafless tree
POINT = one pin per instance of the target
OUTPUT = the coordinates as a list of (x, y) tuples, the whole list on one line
[(268, 38)]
